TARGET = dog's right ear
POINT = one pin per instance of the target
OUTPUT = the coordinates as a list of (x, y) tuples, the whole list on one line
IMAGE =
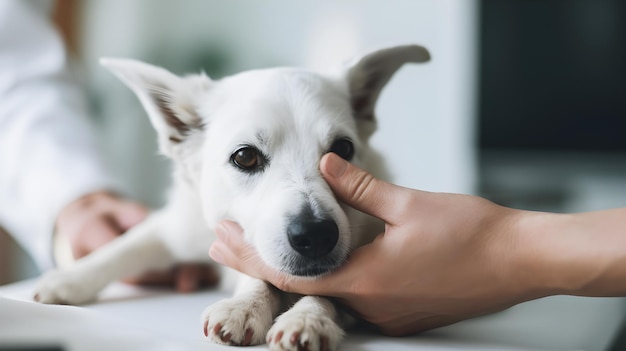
[(170, 100), (368, 75)]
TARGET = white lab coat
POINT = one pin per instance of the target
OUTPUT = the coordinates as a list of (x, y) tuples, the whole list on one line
[(48, 153)]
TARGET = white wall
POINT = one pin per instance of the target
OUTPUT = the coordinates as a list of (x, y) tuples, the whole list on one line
[(426, 114)]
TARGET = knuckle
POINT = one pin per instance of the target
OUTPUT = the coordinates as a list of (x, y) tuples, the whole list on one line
[(362, 185)]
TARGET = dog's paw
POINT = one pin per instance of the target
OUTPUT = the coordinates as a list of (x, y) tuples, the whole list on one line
[(302, 330), (237, 321), (65, 287)]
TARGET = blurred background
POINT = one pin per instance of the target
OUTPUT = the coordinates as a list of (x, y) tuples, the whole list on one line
[(524, 102)]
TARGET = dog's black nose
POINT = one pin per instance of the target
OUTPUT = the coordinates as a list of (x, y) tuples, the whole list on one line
[(311, 237)]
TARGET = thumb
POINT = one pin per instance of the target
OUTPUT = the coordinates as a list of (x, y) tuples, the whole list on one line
[(363, 191)]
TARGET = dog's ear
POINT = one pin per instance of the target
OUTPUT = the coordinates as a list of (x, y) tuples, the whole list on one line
[(170, 100), (368, 75)]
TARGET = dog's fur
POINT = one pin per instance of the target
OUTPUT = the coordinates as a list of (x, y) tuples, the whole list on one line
[(283, 120)]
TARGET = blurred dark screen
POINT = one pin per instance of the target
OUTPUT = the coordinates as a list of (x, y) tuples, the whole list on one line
[(553, 75)]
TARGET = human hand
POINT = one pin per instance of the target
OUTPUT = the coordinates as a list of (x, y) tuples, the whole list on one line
[(93, 220), (442, 258)]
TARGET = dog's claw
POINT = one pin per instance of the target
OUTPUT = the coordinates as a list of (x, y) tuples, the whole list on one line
[(225, 338), (295, 341), (248, 337), (206, 328), (36, 297), (279, 336), (294, 338), (217, 329)]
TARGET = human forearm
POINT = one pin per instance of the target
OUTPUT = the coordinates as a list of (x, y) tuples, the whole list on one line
[(575, 254)]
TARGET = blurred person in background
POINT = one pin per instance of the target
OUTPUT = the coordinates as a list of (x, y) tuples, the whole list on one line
[(54, 187)]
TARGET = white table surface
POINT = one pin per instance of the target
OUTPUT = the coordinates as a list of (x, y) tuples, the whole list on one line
[(132, 318)]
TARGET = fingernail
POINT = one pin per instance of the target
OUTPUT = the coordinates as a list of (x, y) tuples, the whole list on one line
[(216, 254), (336, 166), (220, 230), (224, 229)]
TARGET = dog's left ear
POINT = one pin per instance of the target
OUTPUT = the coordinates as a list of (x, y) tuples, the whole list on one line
[(169, 99), (368, 76)]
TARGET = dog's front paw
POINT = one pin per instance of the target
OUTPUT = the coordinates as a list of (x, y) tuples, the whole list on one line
[(304, 330), (66, 287), (237, 321)]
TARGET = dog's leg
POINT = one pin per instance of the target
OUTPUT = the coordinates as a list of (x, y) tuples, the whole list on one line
[(312, 324), (139, 250), (245, 318)]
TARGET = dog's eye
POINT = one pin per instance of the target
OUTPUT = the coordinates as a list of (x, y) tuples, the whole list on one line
[(248, 159), (343, 148)]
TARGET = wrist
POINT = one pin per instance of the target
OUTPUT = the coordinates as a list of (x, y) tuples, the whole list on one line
[(539, 262), (518, 258), (543, 259), (563, 254)]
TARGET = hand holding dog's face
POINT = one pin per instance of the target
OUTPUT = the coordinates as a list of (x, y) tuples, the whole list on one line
[(442, 258)]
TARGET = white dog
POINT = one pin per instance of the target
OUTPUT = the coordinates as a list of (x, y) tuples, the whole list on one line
[(247, 148)]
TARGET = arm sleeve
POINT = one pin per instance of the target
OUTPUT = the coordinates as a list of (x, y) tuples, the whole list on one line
[(48, 153)]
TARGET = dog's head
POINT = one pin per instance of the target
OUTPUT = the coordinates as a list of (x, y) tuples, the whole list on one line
[(250, 146)]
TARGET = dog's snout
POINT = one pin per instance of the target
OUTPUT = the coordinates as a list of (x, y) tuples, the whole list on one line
[(313, 238)]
